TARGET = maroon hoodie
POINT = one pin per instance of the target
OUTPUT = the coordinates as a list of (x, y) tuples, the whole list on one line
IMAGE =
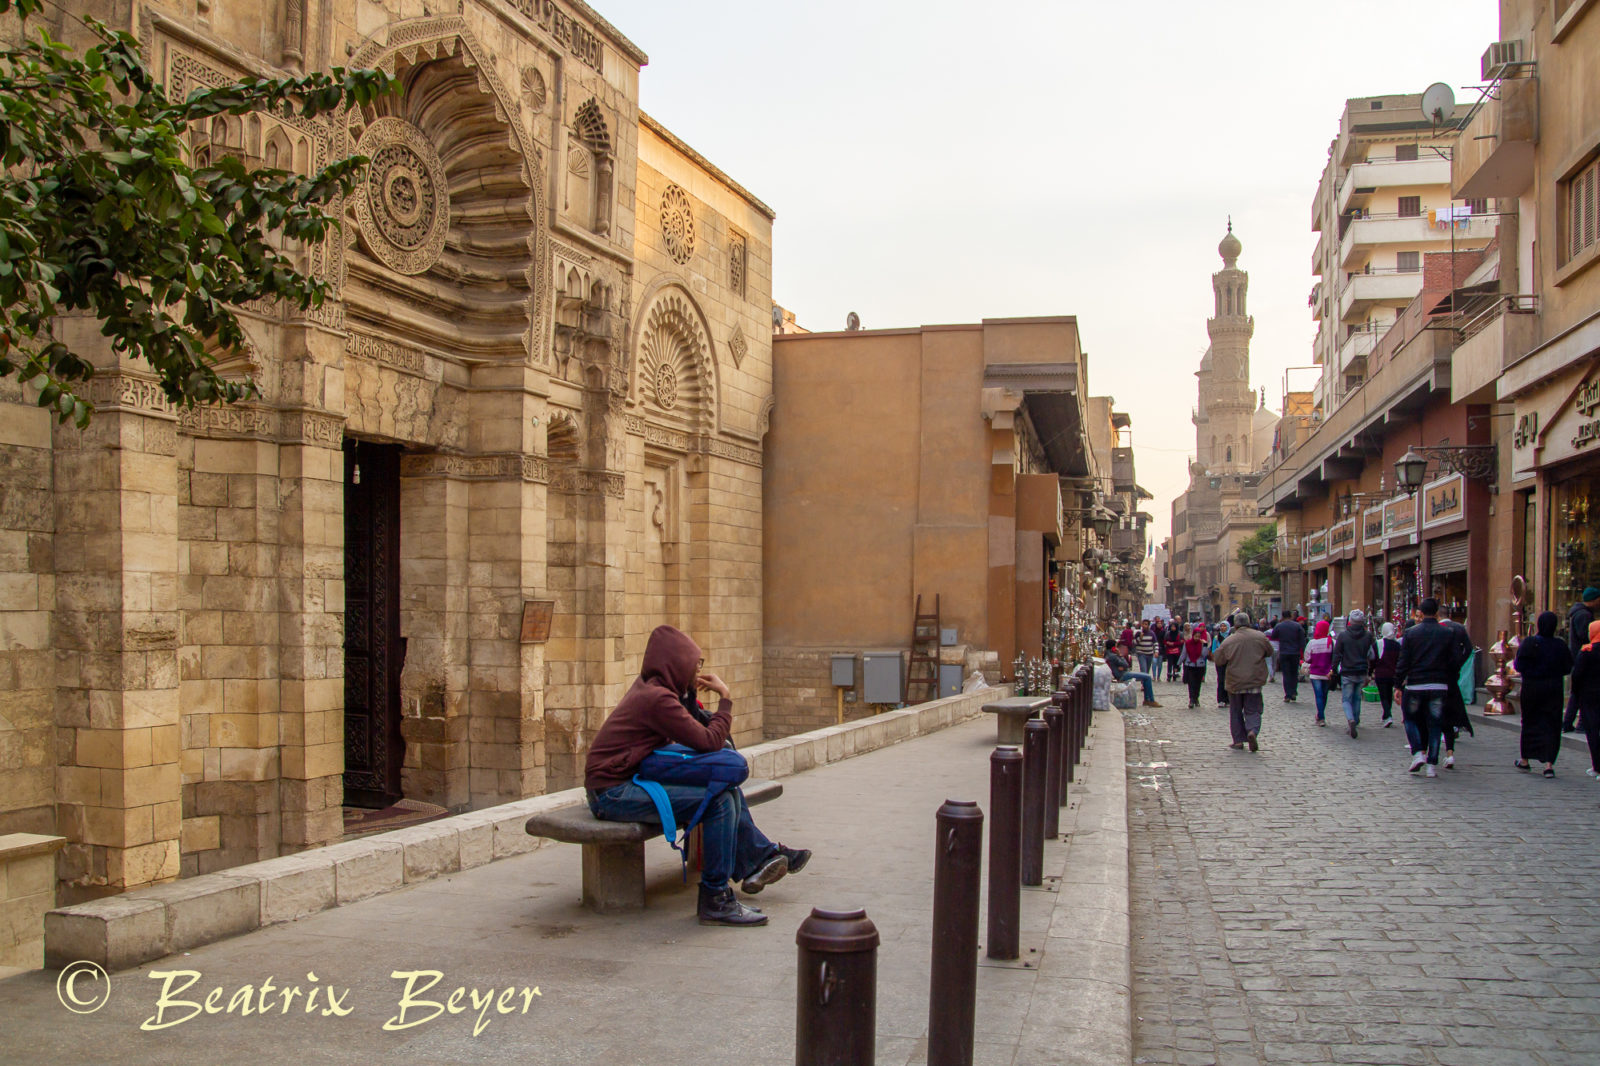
[(650, 715)]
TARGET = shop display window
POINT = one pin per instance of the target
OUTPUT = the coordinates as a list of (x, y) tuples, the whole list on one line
[(1574, 538)]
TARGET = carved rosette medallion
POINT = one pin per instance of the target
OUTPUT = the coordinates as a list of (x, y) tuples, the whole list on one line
[(666, 385), (677, 224), (403, 206)]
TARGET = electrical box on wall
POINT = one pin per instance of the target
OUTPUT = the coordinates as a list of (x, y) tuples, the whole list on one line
[(843, 669), (880, 676), (949, 679)]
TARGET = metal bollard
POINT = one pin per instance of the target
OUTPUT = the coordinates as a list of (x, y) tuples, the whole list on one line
[(836, 997), (953, 984), (1055, 733), (1005, 852), (1035, 738), (1068, 706)]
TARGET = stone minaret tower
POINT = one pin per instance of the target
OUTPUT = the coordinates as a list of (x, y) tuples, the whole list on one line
[(1227, 403)]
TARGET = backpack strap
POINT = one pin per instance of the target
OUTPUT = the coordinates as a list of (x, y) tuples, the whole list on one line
[(669, 824)]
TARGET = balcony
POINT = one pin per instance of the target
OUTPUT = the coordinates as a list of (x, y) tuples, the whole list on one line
[(1367, 232), (1122, 470), (1494, 155), (1127, 544), (1388, 173), (1316, 254), (1494, 332), (1355, 349), (1363, 291)]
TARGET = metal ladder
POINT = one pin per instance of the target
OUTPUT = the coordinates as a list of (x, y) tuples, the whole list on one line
[(924, 652)]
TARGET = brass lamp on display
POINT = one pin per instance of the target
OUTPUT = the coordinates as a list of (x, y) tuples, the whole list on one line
[(1503, 683)]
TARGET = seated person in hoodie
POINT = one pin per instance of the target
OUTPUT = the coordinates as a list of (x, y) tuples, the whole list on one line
[(1121, 670), (661, 709)]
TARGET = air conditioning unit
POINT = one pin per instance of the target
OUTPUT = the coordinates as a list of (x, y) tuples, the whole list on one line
[(1500, 58)]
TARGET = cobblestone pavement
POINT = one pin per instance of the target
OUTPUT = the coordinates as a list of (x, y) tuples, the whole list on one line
[(1317, 903)]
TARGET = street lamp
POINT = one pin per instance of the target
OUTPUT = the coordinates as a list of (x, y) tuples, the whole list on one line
[(1253, 568), (1102, 525), (1410, 470)]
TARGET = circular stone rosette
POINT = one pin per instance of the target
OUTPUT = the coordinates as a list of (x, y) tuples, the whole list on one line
[(403, 204)]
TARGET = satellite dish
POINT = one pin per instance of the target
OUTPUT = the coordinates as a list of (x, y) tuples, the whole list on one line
[(1438, 103), (852, 321)]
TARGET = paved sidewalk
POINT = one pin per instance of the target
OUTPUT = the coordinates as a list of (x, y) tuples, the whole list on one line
[(1317, 903), (637, 988)]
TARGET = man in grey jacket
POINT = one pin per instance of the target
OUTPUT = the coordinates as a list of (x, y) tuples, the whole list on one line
[(1244, 654), (1353, 653)]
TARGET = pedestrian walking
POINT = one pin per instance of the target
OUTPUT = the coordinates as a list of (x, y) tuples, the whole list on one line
[(1145, 647), (1383, 664), (1579, 618), (1291, 638), (1319, 667), (1216, 642), (1272, 660), (1430, 662), (1171, 650), (1243, 657), (1352, 661), (1544, 661), (1196, 651), (1455, 706), (1586, 687)]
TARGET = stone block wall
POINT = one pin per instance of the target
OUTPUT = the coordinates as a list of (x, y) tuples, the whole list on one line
[(27, 602)]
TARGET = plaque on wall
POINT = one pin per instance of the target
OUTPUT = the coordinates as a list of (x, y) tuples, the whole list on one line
[(536, 616)]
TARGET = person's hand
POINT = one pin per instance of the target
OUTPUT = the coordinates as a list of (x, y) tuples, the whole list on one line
[(715, 684)]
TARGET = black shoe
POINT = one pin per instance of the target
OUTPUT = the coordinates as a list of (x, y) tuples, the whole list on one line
[(1352, 730), (723, 908), (798, 857), (773, 869), (1250, 739)]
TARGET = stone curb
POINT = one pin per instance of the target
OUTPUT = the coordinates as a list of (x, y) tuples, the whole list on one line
[(1084, 996), (148, 923)]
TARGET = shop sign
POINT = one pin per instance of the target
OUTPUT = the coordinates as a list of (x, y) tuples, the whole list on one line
[(1443, 501), (1372, 525), (1400, 517), (1342, 537), (1556, 422), (1314, 546)]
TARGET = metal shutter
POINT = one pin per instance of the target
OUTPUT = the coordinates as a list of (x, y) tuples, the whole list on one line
[(1447, 555)]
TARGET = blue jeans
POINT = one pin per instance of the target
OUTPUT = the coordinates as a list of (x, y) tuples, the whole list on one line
[(1350, 688), (1424, 718), (1319, 689), (1145, 661), (1144, 679), (731, 845)]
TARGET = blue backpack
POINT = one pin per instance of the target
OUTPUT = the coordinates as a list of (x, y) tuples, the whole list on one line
[(677, 764)]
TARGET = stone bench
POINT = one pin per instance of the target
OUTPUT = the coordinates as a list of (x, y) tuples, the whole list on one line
[(1012, 715), (613, 852)]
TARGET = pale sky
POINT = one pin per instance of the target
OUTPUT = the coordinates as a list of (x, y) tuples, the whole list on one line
[(939, 162)]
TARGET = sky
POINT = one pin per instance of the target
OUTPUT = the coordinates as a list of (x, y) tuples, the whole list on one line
[(939, 162)]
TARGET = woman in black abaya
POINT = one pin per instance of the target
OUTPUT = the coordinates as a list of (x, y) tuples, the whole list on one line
[(1542, 660)]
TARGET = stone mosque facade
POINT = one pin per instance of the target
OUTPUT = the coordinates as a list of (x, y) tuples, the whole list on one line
[(423, 566), (1233, 435)]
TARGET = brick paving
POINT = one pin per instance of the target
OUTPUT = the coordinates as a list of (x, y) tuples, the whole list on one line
[(1317, 903)]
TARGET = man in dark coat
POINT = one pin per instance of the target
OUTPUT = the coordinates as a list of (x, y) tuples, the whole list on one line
[(1430, 662), (1291, 638), (1578, 618)]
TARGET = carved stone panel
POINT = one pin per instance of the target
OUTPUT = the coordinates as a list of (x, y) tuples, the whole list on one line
[(403, 206), (677, 224)]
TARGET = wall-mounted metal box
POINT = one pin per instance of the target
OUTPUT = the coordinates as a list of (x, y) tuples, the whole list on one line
[(843, 670), (881, 676), (947, 636), (949, 679)]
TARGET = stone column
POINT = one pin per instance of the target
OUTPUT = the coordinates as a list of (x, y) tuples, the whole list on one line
[(117, 713)]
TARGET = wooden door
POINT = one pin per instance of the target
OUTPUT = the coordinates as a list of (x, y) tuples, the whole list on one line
[(374, 651)]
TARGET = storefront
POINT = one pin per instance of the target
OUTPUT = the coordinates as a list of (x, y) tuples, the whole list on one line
[(1449, 553), (1313, 560), (1341, 566), (1402, 558), (1557, 441), (1372, 551)]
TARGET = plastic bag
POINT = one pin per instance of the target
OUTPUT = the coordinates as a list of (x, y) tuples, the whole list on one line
[(1124, 696), (1102, 686), (974, 682)]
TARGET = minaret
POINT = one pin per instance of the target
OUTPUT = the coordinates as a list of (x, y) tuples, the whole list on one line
[(1227, 403)]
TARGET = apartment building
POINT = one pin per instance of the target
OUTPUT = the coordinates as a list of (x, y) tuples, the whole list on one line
[(1384, 203)]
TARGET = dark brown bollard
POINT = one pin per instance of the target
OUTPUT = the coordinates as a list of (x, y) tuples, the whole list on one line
[(1055, 726), (953, 985), (836, 997), (1035, 738), (1005, 852), (1067, 706)]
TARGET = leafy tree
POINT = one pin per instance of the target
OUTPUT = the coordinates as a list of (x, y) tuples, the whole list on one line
[(103, 212), (1260, 543)]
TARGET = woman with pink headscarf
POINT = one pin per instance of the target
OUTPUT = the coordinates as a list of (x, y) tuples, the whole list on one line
[(1319, 667), (1586, 693)]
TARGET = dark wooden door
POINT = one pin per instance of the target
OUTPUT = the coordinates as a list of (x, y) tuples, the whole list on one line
[(374, 651)]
